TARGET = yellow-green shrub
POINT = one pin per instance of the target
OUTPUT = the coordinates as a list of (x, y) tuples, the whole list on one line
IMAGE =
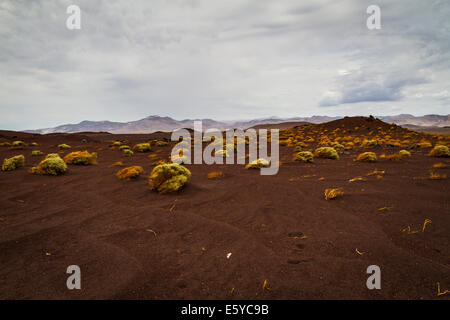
[(127, 152), (36, 153), (124, 147), (326, 152), (404, 153), (18, 143), (63, 146), (52, 165), (142, 147), (81, 158), (367, 157), (304, 156), (369, 143), (168, 177), (439, 151), (129, 172), (13, 163)]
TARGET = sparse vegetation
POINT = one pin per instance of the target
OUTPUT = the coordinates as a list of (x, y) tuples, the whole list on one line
[(81, 158), (437, 176), (127, 152), (440, 151), (36, 153), (129, 173), (63, 146), (333, 193), (326, 152), (52, 165), (13, 163), (367, 157), (142, 147), (404, 153), (170, 177), (304, 156)]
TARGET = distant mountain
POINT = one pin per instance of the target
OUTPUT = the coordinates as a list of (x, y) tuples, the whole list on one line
[(156, 123)]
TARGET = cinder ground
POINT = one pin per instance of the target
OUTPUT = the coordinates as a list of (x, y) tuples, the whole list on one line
[(130, 245)]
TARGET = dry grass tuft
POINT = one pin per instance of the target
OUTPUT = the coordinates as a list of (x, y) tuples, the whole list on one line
[(116, 164), (215, 175), (333, 193), (129, 173), (439, 165), (260, 163), (437, 176)]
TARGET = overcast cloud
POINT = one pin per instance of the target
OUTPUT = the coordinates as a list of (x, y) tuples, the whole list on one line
[(224, 60)]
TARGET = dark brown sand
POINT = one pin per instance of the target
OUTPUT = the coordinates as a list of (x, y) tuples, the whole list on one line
[(133, 243)]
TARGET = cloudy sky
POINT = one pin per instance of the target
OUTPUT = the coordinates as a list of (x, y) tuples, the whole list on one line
[(233, 59)]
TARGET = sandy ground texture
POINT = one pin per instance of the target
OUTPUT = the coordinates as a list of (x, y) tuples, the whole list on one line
[(223, 238)]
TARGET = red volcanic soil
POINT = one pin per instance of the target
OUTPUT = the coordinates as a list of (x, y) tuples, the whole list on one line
[(133, 243)]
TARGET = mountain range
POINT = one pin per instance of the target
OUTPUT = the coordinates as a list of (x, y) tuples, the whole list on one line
[(157, 123)]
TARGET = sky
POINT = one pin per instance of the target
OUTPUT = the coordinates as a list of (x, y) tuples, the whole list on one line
[(224, 60)]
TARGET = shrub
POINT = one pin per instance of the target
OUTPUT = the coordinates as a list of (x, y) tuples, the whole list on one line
[(168, 177), (129, 173), (142, 147), (81, 158), (394, 157), (222, 153), (404, 153), (34, 144), (337, 146), (439, 165), (124, 147), (36, 153), (117, 143), (127, 152), (5, 144), (424, 144), (63, 146), (326, 152), (333, 193), (367, 157), (215, 175), (13, 163), (304, 156), (180, 159), (52, 165), (439, 151), (260, 163), (297, 149), (18, 144), (369, 143)]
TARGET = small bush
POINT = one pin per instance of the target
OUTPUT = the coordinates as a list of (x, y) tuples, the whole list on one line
[(166, 178), (81, 158), (326, 152), (440, 151), (369, 143), (439, 165), (52, 165), (36, 153), (297, 149), (63, 146), (13, 163), (367, 157), (215, 175), (333, 193), (129, 173), (117, 143), (142, 147), (394, 157), (260, 163), (33, 144), (127, 152), (304, 156), (180, 159), (18, 144), (404, 153), (5, 144), (124, 147)]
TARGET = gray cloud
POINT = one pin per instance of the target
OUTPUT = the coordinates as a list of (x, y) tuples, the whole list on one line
[(220, 59)]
